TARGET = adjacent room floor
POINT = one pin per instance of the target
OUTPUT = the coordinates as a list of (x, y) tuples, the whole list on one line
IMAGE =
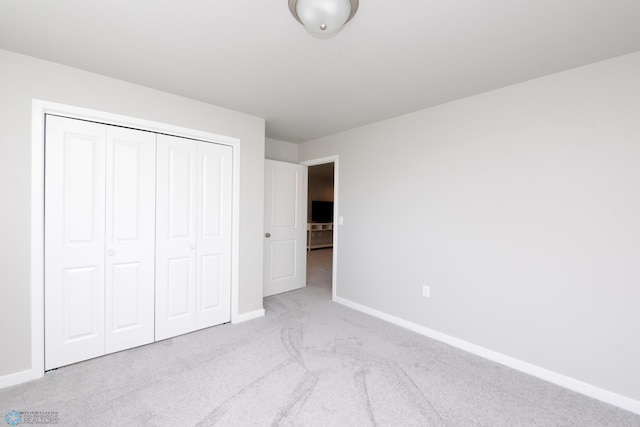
[(308, 362)]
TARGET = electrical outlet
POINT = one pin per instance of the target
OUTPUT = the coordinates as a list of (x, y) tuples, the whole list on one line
[(426, 291)]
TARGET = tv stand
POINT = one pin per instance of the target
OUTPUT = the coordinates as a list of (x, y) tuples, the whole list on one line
[(319, 235)]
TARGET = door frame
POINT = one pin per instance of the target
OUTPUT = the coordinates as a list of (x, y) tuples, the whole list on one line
[(337, 223), (38, 111)]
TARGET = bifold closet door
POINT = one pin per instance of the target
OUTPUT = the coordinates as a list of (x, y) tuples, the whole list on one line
[(213, 280), (74, 240), (193, 235), (130, 238), (99, 239)]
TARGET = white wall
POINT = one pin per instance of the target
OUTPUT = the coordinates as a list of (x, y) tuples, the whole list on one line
[(23, 78), (520, 208), (281, 150)]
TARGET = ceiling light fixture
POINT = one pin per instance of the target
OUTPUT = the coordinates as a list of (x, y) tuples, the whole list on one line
[(323, 16)]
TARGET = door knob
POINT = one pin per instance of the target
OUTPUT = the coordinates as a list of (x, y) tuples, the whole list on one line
[(267, 234), (111, 252)]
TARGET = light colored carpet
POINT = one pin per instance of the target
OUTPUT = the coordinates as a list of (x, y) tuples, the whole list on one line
[(308, 362)]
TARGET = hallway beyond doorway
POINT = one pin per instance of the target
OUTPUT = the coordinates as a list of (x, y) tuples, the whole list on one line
[(319, 269)]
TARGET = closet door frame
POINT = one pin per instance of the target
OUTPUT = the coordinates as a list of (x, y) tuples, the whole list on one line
[(39, 110)]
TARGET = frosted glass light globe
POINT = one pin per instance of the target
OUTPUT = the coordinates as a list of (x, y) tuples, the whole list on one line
[(323, 16)]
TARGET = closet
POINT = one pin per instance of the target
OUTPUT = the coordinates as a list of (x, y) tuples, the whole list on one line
[(137, 238)]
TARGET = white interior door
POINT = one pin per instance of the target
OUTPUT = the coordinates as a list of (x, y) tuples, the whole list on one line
[(130, 238), (176, 238), (74, 241), (213, 282), (285, 225)]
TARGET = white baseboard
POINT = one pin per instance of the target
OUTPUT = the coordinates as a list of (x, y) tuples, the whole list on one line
[(545, 374), (19, 377), (248, 316)]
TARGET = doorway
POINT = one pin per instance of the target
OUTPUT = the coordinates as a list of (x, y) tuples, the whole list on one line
[(322, 225)]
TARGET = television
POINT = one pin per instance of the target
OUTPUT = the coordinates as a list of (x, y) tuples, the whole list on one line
[(321, 211)]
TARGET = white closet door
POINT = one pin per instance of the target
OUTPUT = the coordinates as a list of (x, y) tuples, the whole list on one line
[(176, 238), (213, 290), (130, 238), (193, 235), (74, 240)]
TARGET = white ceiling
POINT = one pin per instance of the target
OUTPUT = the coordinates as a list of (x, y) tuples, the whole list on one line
[(394, 57)]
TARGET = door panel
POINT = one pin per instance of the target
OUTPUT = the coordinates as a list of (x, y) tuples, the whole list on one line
[(81, 293), (179, 286), (210, 271), (82, 181), (130, 242), (213, 287), (74, 240), (284, 186), (176, 237), (283, 259), (181, 186), (285, 227), (124, 296), (212, 179)]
